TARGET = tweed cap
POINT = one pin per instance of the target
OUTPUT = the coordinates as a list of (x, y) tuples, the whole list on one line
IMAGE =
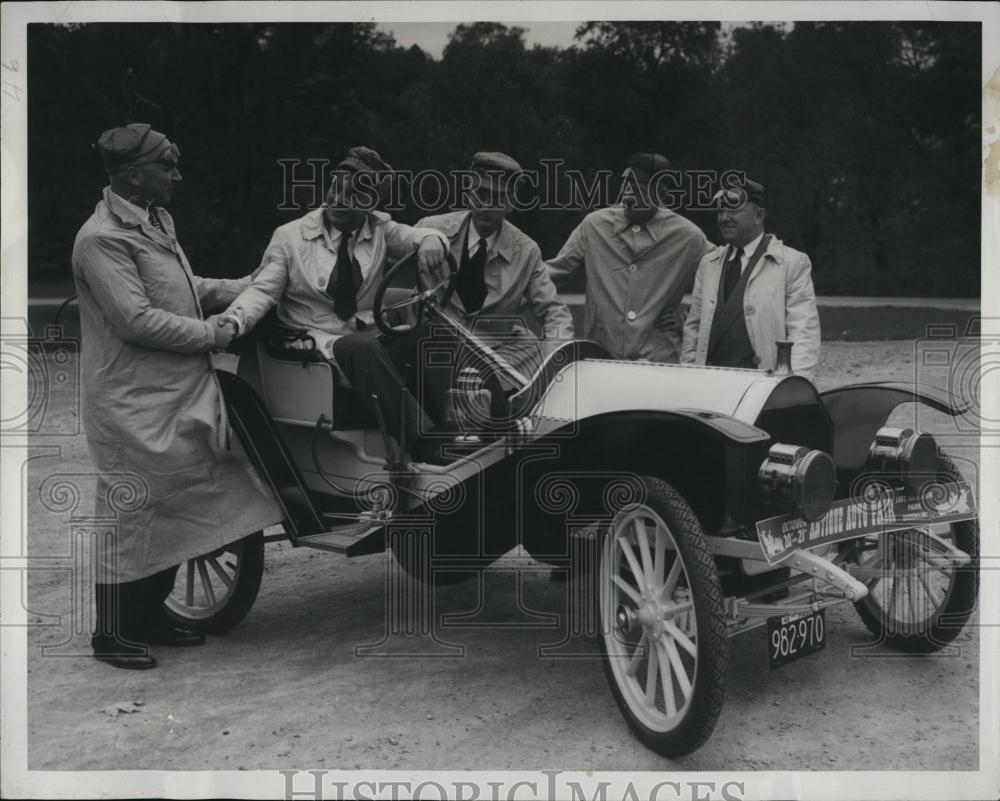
[(494, 170), (135, 143)]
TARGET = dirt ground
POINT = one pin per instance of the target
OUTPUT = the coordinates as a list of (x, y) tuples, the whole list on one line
[(286, 688)]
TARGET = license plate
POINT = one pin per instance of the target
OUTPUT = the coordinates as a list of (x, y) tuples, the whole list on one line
[(794, 636)]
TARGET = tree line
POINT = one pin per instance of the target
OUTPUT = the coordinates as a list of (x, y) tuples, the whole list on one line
[(866, 134)]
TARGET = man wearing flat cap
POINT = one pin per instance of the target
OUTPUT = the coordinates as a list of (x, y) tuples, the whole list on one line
[(639, 259), (153, 411), (322, 270), (751, 292), (501, 269)]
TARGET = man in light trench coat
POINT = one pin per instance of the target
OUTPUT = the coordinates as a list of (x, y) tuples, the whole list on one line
[(153, 409), (750, 293)]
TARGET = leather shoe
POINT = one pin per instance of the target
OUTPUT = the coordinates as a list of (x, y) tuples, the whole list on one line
[(177, 637), (122, 655)]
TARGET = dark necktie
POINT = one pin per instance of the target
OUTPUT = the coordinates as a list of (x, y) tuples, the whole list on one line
[(732, 273), (341, 284), (155, 221), (470, 284)]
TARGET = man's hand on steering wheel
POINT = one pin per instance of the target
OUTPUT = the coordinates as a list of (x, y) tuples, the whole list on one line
[(430, 259)]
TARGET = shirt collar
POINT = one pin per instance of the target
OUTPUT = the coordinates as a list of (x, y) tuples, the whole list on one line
[(622, 223), (125, 211), (133, 214), (314, 226), (751, 247), (500, 241), (473, 237)]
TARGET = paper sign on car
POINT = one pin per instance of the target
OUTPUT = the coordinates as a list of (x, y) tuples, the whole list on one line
[(855, 517)]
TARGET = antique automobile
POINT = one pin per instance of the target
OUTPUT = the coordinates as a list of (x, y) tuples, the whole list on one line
[(716, 501)]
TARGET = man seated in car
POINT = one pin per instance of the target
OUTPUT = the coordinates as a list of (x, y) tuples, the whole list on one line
[(322, 271), (501, 270)]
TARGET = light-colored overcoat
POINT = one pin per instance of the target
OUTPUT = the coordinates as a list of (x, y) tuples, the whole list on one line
[(153, 410), (779, 303)]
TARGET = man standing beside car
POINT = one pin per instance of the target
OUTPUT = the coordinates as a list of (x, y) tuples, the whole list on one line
[(153, 410), (501, 269), (751, 292), (639, 259)]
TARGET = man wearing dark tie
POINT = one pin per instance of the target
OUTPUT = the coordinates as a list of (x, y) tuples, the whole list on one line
[(501, 270), (750, 293), (322, 270)]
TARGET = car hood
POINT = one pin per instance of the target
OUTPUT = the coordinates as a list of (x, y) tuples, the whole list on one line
[(595, 386)]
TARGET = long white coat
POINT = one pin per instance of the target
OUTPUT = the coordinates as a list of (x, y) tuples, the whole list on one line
[(153, 410), (779, 303)]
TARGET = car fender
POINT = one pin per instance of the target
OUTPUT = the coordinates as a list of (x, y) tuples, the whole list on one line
[(858, 411), (704, 455)]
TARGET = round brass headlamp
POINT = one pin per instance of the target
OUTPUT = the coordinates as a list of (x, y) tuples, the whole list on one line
[(798, 480)]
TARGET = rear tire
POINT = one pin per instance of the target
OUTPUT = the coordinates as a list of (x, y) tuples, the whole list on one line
[(658, 585), (912, 605), (214, 592)]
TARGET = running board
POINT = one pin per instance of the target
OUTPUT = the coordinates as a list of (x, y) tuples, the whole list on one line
[(349, 540)]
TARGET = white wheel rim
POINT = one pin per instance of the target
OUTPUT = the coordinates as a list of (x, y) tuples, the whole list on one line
[(655, 663), (908, 583), (205, 584)]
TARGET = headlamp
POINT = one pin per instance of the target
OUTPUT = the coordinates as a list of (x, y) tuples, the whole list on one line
[(798, 480)]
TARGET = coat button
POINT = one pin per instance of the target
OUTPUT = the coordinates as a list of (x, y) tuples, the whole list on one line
[(631, 315), (756, 361), (749, 311), (635, 229), (631, 268)]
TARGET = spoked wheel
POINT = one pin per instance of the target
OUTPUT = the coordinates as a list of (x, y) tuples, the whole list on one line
[(918, 598), (663, 630), (213, 593)]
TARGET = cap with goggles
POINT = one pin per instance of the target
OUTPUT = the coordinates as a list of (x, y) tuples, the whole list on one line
[(133, 145), (737, 196)]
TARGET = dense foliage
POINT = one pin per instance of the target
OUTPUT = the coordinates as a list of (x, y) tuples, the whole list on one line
[(867, 135)]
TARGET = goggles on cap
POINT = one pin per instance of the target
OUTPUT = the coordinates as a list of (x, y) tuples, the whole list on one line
[(730, 198), (167, 159)]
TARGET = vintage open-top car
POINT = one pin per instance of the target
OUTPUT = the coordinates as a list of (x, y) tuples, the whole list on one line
[(715, 501)]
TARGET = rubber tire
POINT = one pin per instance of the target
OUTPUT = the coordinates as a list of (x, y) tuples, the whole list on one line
[(249, 572), (964, 592), (710, 679)]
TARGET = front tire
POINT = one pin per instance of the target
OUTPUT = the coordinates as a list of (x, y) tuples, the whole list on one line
[(214, 592), (663, 630)]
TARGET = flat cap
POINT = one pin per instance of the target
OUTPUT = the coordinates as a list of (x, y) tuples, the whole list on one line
[(135, 143), (495, 170), (736, 194), (647, 165), (363, 159)]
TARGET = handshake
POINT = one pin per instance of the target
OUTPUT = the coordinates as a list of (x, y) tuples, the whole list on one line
[(224, 328)]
